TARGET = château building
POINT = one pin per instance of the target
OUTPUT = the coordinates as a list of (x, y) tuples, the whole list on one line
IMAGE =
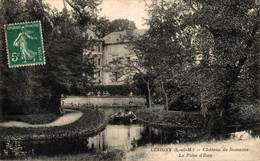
[(105, 50)]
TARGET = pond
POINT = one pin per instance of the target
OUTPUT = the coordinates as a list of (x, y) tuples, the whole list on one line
[(116, 136)]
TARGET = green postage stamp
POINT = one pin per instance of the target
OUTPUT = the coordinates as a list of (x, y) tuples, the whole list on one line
[(24, 44)]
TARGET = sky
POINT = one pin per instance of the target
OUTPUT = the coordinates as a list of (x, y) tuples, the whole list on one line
[(133, 10)]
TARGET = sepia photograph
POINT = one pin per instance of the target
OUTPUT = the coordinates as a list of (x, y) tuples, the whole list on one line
[(130, 80)]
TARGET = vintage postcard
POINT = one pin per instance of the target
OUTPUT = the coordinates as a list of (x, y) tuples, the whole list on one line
[(130, 80)]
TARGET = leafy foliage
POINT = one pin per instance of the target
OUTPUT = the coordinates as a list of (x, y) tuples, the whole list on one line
[(84, 11), (233, 39), (39, 88), (121, 25), (91, 123), (134, 69), (204, 51), (160, 117), (104, 27), (157, 51), (246, 113)]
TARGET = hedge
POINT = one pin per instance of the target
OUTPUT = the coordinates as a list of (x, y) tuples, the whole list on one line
[(90, 124)]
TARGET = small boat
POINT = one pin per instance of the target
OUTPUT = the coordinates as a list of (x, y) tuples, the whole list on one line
[(123, 118)]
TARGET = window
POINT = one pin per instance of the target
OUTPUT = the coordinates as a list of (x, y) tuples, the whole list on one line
[(99, 62), (99, 73)]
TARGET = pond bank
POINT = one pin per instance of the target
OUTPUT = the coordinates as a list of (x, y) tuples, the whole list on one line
[(115, 155), (69, 117), (114, 142), (158, 117), (167, 151), (90, 123)]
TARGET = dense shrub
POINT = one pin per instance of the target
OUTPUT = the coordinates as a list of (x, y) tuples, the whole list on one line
[(171, 118), (246, 112), (14, 141), (91, 121), (184, 103)]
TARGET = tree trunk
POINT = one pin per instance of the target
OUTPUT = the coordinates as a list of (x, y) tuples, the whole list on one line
[(1, 114), (166, 102), (203, 106), (55, 102), (149, 105), (165, 96), (28, 95), (209, 127)]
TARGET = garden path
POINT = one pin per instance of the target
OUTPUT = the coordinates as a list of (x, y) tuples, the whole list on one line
[(61, 121)]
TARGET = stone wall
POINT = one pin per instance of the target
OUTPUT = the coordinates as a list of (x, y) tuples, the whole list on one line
[(104, 101)]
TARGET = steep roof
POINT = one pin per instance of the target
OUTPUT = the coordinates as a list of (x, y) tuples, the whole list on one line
[(118, 37)]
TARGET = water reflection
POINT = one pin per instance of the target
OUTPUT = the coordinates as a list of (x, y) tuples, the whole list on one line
[(116, 137), (151, 135)]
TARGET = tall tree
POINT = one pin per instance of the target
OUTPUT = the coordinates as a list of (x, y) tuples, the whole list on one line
[(104, 26), (101, 28), (158, 45), (40, 87), (19, 84), (84, 11), (236, 40), (136, 69), (226, 39), (157, 51), (121, 25)]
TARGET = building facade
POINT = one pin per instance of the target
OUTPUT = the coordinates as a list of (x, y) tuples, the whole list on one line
[(111, 47), (115, 46), (95, 56)]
